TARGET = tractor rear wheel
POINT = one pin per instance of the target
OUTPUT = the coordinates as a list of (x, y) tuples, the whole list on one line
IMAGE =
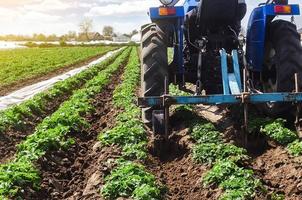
[(283, 58), (154, 67)]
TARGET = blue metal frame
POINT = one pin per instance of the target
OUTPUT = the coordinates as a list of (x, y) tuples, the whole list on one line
[(256, 33), (221, 99), (224, 72)]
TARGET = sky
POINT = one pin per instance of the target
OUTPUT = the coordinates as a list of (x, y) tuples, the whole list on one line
[(60, 16)]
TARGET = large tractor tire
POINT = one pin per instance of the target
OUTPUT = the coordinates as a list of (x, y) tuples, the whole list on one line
[(154, 67), (283, 58)]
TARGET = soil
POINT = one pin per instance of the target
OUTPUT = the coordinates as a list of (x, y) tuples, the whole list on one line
[(177, 171), (280, 172), (175, 168), (5, 90), (13, 136), (78, 173), (10, 138)]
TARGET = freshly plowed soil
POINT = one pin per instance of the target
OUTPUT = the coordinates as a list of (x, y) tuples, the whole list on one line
[(280, 172), (176, 169), (77, 173)]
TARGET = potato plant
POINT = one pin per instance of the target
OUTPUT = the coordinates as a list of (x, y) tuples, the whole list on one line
[(129, 179), (52, 133), (14, 117), (23, 64), (236, 182)]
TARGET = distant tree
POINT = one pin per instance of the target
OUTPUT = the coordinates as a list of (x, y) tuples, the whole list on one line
[(134, 32), (86, 26), (108, 31), (52, 37), (71, 35), (39, 37)]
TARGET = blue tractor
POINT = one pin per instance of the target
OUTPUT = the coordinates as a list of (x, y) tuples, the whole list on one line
[(264, 68)]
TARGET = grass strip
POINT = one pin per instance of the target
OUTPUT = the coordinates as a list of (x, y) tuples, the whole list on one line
[(14, 117), (52, 133), (129, 179)]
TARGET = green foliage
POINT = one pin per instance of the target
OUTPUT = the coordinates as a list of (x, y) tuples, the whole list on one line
[(238, 183), (146, 192), (124, 133), (255, 123), (276, 196), (23, 64), (295, 148), (135, 151), (276, 131), (124, 95), (211, 152), (16, 174), (53, 132), (175, 91), (204, 132), (129, 131), (14, 117), (131, 180)]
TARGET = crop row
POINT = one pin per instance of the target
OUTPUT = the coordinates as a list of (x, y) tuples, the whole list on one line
[(53, 133), (129, 178), (224, 158), (14, 117), (276, 130), (23, 64)]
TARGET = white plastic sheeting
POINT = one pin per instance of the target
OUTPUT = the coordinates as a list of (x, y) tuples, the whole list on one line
[(28, 92)]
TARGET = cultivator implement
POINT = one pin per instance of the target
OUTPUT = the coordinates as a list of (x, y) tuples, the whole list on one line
[(234, 92)]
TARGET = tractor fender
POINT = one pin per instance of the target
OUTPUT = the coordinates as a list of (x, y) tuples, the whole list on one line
[(256, 33)]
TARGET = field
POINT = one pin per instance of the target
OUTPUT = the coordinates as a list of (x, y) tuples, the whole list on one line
[(33, 64), (84, 139)]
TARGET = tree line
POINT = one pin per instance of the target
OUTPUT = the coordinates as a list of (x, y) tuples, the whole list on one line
[(85, 33)]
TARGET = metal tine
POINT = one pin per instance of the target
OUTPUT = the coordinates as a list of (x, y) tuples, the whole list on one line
[(166, 109)]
